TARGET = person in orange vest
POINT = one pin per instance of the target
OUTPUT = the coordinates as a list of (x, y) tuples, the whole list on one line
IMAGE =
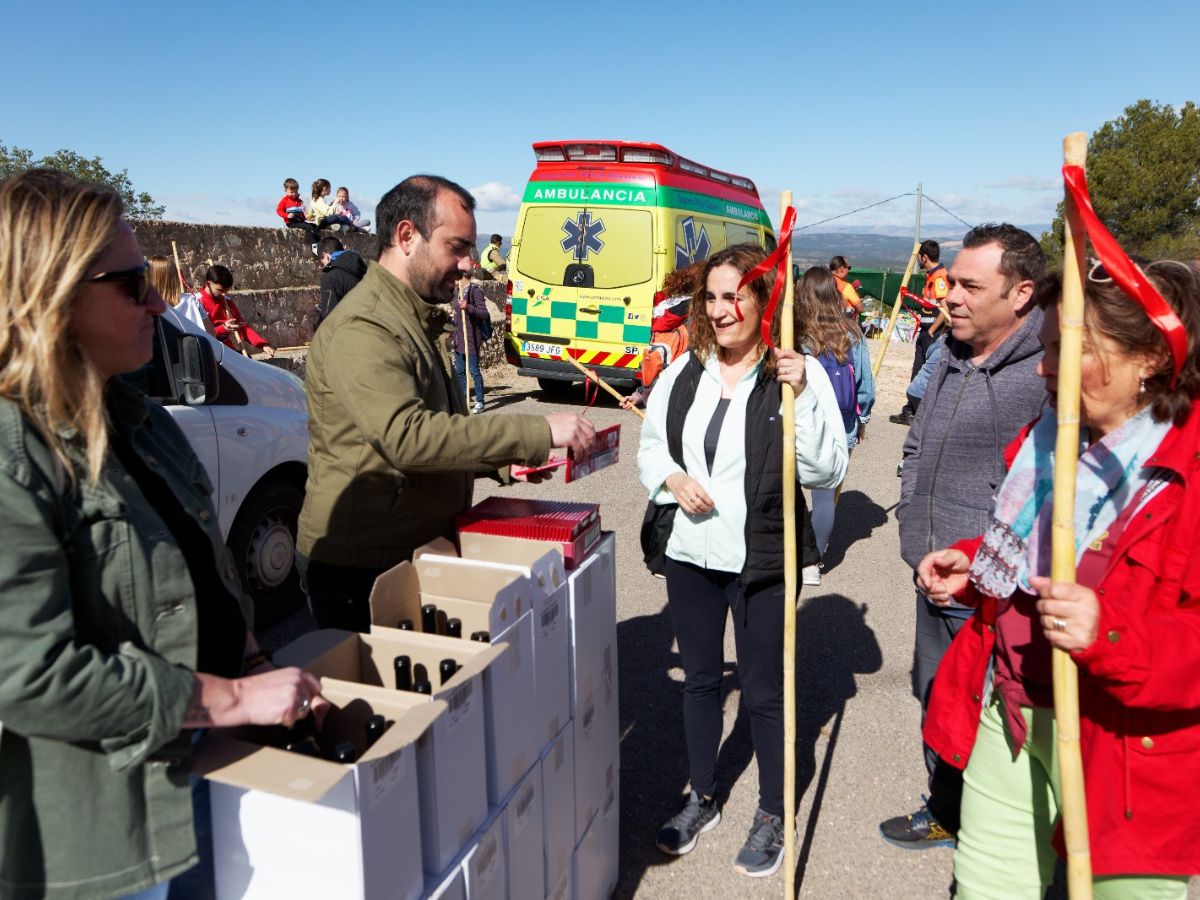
[(928, 309), (849, 290), (669, 329)]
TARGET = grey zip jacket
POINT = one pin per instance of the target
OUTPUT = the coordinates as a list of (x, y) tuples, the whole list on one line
[(954, 452)]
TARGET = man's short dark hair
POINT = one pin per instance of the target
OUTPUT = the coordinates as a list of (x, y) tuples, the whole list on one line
[(1022, 259), (329, 245), (413, 200), (931, 250), (496, 239), (837, 262)]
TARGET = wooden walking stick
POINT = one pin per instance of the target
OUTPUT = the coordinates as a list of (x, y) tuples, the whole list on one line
[(1062, 563), (596, 379), (908, 270), (179, 269), (787, 340), (239, 342)]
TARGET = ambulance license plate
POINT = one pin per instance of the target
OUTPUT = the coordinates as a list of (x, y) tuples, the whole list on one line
[(541, 349)]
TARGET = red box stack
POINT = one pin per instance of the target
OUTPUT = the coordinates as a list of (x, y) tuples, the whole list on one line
[(574, 526)]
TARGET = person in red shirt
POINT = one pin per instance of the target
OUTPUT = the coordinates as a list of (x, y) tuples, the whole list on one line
[(1131, 622), (928, 309), (230, 328), (291, 209)]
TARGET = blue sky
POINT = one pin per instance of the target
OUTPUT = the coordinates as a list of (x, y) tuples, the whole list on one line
[(209, 106)]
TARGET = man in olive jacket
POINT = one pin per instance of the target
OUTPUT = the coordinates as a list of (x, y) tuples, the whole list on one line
[(392, 455)]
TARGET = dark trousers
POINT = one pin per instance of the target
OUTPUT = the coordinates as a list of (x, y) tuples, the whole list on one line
[(699, 602), (935, 631), (314, 233), (339, 595), (476, 376)]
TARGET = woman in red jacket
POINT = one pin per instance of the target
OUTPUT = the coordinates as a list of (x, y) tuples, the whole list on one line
[(231, 329), (1132, 623)]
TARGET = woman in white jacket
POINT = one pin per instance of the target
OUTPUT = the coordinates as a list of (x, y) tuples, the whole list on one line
[(713, 444)]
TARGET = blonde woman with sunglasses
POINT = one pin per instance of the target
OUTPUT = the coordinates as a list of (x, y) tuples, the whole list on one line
[(123, 626)]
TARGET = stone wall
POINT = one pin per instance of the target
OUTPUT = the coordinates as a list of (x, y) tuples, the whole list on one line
[(259, 258), (276, 277)]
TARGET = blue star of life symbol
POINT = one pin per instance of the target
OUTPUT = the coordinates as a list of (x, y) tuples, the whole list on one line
[(583, 236), (695, 246)]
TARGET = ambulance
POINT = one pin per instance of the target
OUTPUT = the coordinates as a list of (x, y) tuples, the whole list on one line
[(600, 226)]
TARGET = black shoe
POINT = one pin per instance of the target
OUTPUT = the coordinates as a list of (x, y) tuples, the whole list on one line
[(918, 831), (680, 834), (904, 417), (762, 853)]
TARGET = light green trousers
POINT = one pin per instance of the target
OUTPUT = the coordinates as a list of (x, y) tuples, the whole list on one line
[(1009, 810)]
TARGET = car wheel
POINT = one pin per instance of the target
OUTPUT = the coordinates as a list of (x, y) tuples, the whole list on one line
[(263, 543), (553, 389)]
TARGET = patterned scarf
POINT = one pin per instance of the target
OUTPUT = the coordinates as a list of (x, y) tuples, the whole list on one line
[(1110, 475)]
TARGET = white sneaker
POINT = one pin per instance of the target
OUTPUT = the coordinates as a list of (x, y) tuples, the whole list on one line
[(362, 224), (477, 408), (811, 575)]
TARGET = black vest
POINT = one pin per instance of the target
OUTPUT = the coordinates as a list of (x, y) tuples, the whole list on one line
[(764, 475)]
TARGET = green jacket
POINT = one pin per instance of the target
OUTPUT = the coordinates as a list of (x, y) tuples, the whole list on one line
[(97, 646), (392, 457)]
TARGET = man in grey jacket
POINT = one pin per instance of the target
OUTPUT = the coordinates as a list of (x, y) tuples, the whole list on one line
[(984, 390)]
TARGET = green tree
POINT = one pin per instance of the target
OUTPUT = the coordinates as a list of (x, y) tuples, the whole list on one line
[(138, 205), (1143, 173)]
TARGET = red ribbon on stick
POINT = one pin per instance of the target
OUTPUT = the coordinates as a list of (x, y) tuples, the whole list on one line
[(1125, 273), (777, 260)]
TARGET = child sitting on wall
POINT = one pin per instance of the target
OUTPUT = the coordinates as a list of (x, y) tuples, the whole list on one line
[(322, 213), (291, 210), (344, 207)]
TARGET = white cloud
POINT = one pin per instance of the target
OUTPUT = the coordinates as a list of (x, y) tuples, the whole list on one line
[(1024, 183), (492, 196)]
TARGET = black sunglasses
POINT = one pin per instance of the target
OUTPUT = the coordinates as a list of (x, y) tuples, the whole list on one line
[(136, 280)]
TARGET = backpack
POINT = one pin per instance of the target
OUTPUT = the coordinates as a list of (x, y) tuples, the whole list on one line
[(841, 376)]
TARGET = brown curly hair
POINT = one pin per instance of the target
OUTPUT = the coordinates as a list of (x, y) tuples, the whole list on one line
[(1109, 311), (743, 257), (682, 282)]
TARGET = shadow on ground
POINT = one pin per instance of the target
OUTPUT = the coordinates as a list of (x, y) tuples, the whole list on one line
[(857, 518), (833, 645)]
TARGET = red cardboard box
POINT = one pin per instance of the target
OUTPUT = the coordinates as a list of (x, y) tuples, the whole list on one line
[(575, 527)]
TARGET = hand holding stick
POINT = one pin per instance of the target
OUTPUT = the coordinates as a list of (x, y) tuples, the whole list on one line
[(592, 376)]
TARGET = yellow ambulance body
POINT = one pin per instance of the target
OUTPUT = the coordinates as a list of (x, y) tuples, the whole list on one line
[(601, 224)]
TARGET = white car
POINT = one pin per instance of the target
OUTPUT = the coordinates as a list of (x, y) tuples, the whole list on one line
[(248, 423)]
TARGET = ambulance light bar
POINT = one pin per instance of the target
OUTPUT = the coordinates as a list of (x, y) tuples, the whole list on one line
[(630, 155), (592, 152), (744, 183), (688, 166), (549, 154), (718, 176)]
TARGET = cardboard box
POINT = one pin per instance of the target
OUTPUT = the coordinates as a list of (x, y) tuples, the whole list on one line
[(450, 885), (558, 805), (524, 837), (484, 862), (485, 598), (451, 758), (573, 527), (542, 563), (592, 589), (288, 825), (564, 889), (596, 866)]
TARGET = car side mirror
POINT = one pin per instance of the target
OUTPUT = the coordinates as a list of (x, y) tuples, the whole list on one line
[(199, 380)]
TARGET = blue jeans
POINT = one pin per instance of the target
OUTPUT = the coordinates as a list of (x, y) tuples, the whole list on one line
[(476, 376)]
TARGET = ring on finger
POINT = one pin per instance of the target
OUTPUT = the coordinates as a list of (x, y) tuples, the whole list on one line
[(303, 706), (1059, 624)]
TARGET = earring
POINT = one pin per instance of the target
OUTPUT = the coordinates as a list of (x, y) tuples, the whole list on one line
[(1141, 386)]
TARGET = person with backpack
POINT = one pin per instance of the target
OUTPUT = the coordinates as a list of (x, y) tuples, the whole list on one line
[(472, 329), (823, 331)]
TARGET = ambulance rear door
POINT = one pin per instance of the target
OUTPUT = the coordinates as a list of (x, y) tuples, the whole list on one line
[(584, 281)]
